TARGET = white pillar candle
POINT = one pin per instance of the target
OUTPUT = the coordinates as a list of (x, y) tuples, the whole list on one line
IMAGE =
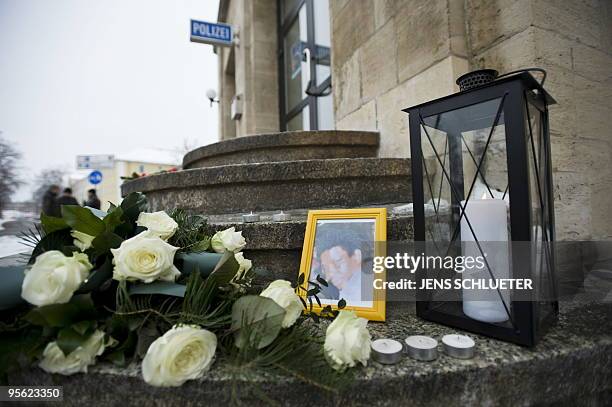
[(386, 351), (489, 221), (421, 347), (459, 346)]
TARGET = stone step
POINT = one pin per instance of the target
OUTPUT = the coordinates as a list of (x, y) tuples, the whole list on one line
[(341, 182), (277, 246), (571, 366), (287, 146)]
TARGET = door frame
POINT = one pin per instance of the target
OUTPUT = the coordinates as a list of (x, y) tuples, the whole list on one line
[(284, 24)]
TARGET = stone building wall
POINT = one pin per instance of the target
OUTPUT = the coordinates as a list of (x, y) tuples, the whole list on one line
[(250, 69), (390, 54), (572, 40)]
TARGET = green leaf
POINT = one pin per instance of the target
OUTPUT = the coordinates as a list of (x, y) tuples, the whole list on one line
[(132, 205), (51, 224), (57, 240), (79, 308), (98, 277), (200, 247), (256, 321), (113, 219), (204, 262), (147, 334), (84, 327), (159, 287), (100, 214), (82, 219), (116, 357), (68, 339), (106, 241), (225, 270)]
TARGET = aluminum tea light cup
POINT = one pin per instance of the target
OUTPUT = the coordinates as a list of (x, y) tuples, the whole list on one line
[(251, 217), (459, 346), (421, 347), (387, 351), (281, 217)]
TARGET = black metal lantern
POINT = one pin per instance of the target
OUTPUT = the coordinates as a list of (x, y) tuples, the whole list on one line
[(482, 184)]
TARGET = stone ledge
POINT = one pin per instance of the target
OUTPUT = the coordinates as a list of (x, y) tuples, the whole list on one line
[(344, 182), (277, 246), (267, 234), (288, 146), (572, 366)]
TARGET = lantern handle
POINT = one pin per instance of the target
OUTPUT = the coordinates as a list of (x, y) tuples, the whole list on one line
[(542, 71)]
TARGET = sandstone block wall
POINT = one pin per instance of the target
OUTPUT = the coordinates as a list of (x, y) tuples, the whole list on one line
[(390, 54), (572, 41), (249, 69)]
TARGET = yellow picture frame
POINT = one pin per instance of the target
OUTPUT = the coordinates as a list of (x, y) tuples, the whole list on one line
[(377, 311)]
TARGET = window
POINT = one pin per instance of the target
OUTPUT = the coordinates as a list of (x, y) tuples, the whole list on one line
[(304, 65)]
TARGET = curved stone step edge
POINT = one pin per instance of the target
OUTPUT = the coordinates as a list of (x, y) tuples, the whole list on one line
[(328, 138), (270, 172)]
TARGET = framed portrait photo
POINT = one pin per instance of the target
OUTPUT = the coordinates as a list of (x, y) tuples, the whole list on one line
[(340, 246)]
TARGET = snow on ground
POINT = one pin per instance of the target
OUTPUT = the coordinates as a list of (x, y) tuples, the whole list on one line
[(9, 215), (11, 245)]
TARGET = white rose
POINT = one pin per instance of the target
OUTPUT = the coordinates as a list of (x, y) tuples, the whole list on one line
[(228, 239), (54, 278), (245, 264), (158, 223), (144, 257), (54, 360), (347, 341), (284, 295), (82, 240), (183, 353)]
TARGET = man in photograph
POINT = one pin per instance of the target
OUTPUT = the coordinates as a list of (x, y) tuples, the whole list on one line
[(340, 260)]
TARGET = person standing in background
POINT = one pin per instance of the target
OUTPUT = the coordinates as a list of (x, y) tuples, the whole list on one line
[(92, 199), (50, 206), (67, 198)]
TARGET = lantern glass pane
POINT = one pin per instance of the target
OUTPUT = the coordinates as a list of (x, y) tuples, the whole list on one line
[(541, 230), (465, 180)]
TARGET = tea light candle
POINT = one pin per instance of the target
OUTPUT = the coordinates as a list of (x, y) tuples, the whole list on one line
[(421, 347), (386, 351), (251, 217), (459, 346), (281, 217)]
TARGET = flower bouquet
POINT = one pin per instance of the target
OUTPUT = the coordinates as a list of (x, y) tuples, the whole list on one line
[(128, 286)]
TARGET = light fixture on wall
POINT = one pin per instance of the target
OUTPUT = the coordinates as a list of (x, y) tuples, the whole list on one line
[(482, 187), (211, 94)]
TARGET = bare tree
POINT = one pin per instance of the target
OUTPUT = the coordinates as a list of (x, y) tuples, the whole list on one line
[(46, 178), (9, 177)]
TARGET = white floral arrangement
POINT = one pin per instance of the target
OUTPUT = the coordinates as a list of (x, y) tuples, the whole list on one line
[(130, 286)]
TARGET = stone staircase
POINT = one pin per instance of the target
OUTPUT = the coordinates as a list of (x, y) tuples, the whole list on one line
[(293, 172)]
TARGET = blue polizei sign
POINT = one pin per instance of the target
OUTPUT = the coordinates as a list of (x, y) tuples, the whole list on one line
[(211, 33), (95, 177)]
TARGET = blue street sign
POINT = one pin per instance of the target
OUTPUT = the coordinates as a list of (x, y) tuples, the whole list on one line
[(211, 33), (95, 177)]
